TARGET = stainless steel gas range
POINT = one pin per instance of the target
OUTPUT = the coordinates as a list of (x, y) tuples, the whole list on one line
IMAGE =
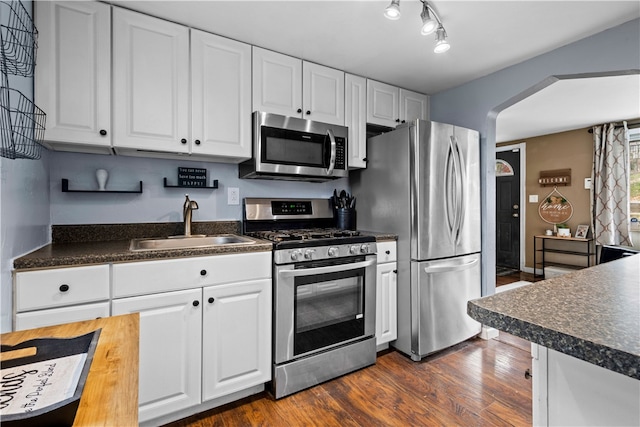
[(324, 284)]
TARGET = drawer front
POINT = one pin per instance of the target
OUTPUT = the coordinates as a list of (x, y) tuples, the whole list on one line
[(148, 277), (61, 287), (387, 252), (57, 316)]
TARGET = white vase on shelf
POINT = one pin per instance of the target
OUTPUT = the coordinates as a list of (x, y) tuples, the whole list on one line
[(102, 176)]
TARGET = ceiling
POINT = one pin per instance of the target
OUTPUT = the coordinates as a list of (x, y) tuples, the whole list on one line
[(354, 36)]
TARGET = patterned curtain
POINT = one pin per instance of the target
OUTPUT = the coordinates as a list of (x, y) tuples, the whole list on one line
[(610, 185)]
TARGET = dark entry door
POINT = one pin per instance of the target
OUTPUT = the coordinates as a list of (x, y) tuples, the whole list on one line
[(508, 209)]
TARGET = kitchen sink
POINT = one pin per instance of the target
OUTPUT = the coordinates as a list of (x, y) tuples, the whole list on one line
[(187, 242)]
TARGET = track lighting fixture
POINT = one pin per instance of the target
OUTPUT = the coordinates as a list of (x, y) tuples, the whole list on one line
[(393, 10), (430, 23)]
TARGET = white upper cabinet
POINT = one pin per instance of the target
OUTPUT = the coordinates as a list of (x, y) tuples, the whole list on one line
[(277, 83), (413, 106), (389, 105), (289, 86), (382, 104), (73, 74), (150, 83), (355, 101), (220, 96), (322, 93)]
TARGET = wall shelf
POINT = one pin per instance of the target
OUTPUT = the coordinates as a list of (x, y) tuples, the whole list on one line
[(65, 189), (212, 187)]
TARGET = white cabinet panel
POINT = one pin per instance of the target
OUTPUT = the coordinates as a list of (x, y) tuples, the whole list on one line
[(277, 83), (236, 337), (387, 252), (150, 83), (382, 104), (220, 96), (57, 316), (170, 350), (322, 94), (73, 75), (355, 100), (386, 302), (413, 106)]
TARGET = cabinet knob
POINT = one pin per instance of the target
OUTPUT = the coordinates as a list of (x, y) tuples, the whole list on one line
[(299, 110), (197, 142), (183, 140), (403, 121), (387, 252), (527, 374), (64, 288), (308, 113), (365, 160), (397, 120), (103, 132), (203, 272), (196, 303), (395, 271), (211, 300)]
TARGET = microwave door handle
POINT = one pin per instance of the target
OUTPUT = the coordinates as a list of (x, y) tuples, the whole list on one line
[(332, 160), (329, 269)]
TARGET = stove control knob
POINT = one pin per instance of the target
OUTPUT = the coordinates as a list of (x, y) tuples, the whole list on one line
[(295, 255), (308, 254), (353, 250), (333, 251), (364, 249)]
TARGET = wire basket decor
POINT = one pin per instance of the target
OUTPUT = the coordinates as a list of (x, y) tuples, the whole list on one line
[(19, 39), (21, 126)]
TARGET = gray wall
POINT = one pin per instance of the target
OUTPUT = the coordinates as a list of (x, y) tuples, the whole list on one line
[(476, 104)]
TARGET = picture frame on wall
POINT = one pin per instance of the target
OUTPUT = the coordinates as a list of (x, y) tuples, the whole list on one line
[(582, 231)]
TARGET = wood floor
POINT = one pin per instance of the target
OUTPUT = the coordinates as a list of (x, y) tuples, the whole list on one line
[(476, 383)]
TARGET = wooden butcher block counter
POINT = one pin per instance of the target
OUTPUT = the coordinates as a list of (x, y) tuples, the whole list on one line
[(110, 395)]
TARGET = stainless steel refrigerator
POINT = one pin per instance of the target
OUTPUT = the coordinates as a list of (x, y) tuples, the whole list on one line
[(422, 182)]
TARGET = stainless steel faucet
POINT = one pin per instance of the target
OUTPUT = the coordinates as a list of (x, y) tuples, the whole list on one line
[(187, 210)]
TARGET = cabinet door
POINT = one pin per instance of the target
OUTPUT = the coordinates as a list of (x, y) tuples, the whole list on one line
[(382, 104), (150, 83), (355, 102), (220, 97), (323, 93), (413, 106), (73, 76), (58, 316), (170, 350), (386, 303), (277, 83), (236, 337)]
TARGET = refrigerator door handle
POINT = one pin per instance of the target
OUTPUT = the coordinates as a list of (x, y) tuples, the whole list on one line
[(448, 268), (450, 191), (462, 183)]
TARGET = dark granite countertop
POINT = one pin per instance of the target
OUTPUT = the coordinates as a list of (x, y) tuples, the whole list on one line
[(76, 245), (591, 314)]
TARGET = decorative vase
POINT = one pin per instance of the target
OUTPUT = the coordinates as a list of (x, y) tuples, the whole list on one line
[(102, 176)]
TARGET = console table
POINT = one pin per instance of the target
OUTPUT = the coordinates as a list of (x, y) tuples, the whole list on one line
[(583, 247)]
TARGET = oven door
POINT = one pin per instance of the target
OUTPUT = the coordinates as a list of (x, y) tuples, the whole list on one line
[(324, 304)]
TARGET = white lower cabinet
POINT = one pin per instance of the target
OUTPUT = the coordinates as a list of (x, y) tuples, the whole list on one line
[(236, 330), (205, 329), (170, 348), (386, 295)]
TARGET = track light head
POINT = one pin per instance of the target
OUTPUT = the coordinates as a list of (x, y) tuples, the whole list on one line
[(393, 10), (429, 24), (442, 45)]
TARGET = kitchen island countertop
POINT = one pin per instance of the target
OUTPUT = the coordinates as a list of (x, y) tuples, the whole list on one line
[(591, 314)]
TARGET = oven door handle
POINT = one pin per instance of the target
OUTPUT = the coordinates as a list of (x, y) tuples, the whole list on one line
[(329, 269)]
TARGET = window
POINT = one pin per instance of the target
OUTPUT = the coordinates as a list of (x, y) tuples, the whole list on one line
[(634, 173)]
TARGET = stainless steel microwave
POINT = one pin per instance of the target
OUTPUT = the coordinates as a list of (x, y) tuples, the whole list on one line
[(296, 149)]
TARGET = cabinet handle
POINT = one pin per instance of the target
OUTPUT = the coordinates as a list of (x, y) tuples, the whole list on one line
[(103, 132), (184, 141), (203, 272), (196, 303), (211, 300), (308, 112), (387, 252), (197, 142), (299, 110), (64, 288)]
